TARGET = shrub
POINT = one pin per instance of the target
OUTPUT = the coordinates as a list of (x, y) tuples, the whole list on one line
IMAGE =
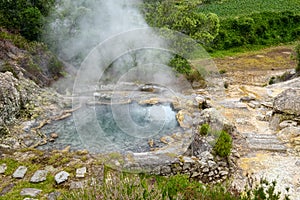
[(25, 16), (223, 145), (204, 129)]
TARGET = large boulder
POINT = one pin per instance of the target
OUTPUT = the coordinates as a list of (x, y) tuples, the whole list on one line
[(12, 97), (288, 102)]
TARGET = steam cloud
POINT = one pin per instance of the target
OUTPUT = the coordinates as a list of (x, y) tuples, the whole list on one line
[(76, 26)]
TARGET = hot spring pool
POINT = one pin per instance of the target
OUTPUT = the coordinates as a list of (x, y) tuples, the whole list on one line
[(127, 127)]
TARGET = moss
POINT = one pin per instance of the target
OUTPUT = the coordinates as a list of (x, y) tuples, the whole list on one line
[(11, 164)]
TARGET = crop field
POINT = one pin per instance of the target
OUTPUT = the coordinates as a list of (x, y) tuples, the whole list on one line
[(233, 8)]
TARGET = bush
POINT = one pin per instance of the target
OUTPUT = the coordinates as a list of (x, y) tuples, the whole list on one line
[(223, 145), (204, 129), (25, 16), (266, 28)]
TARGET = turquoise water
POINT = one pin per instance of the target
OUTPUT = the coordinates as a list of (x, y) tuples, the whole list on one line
[(127, 127)]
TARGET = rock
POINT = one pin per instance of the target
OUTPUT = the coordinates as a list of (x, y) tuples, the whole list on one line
[(205, 170), (210, 174), (260, 117), (184, 119), (297, 163), (29, 199), (30, 192), (166, 139), (247, 99), (76, 185), (195, 174), (61, 177), (212, 164), (206, 155), (223, 173), (289, 133), (7, 189), (54, 135), (53, 196), (39, 176), (295, 140), (216, 120), (288, 102), (287, 123), (20, 172), (166, 170), (80, 172), (268, 115), (3, 168), (274, 122)]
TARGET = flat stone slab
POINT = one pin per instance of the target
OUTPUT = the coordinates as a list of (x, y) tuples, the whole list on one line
[(80, 173), (53, 196), (3, 168), (20, 172), (6, 189), (30, 192), (39, 176), (61, 177), (266, 142)]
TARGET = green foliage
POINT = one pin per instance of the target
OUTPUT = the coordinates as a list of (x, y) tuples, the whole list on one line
[(267, 28), (55, 67), (204, 129), (180, 64), (234, 8), (297, 57), (25, 16), (130, 186), (264, 191), (223, 145), (182, 16)]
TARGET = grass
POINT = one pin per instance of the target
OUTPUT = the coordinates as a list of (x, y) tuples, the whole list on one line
[(234, 8)]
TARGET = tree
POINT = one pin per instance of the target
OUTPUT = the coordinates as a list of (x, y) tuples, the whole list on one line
[(25, 16), (183, 16)]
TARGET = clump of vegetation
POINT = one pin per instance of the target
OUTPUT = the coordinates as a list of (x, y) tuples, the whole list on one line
[(223, 145), (204, 129), (180, 65), (25, 17), (297, 57), (266, 28), (263, 190), (183, 16)]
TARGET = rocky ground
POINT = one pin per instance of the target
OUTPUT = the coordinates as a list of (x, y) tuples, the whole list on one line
[(267, 118)]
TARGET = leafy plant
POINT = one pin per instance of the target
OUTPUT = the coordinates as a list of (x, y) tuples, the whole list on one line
[(223, 145), (264, 191)]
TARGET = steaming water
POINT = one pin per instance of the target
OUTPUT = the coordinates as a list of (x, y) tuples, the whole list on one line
[(113, 138)]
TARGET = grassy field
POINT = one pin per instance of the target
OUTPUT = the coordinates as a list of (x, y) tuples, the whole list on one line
[(234, 8)]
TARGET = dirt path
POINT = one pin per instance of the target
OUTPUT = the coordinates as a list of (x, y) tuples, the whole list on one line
[(262, 153)]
